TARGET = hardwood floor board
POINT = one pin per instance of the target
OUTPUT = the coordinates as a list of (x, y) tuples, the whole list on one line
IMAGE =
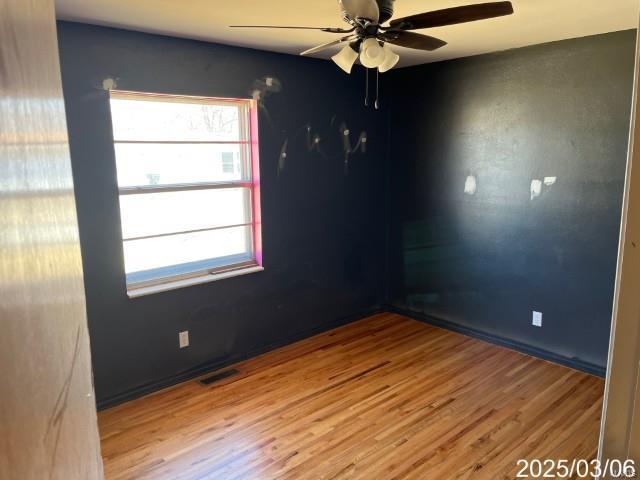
[(400, 427), (550, 448), (545, 433), (385, 397)]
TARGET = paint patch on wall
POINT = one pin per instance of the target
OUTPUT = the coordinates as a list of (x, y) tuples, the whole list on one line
[(109, 84), (282, 159), (548, 181), (264, 87), (313, 140), (536, 188), (470, 185)]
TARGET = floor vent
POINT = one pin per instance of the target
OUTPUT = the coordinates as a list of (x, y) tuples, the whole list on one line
[(218, 376)]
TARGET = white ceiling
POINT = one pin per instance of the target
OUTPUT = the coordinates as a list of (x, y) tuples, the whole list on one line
[(534, 21)]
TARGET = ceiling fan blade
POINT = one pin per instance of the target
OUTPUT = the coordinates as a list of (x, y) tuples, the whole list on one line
[(324, 46), (452, 16), (324, 29), (361, 9), (413, 40)]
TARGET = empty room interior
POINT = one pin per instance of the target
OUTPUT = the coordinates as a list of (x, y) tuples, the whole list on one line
[(327, 239)]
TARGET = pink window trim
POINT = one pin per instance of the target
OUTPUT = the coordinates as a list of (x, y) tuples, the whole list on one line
[(255, 180)]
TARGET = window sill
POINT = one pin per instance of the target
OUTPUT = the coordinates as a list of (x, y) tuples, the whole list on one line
[(187, 282)]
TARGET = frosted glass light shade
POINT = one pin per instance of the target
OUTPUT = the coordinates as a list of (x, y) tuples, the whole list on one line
[(345, 58), (391, 58), (371, 53)]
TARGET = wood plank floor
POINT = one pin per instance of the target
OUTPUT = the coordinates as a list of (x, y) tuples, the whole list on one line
[(383, 398)]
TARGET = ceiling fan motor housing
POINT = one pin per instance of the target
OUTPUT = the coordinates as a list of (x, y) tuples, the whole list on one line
[(386, 11)]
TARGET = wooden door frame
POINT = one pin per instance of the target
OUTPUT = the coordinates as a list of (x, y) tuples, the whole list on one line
[(620, 428)]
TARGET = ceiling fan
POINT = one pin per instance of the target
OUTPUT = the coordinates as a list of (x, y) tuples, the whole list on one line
[(368, 39)]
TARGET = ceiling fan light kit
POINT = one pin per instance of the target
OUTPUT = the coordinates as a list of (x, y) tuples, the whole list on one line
[(371, 53), (391, 59), (345, 58)]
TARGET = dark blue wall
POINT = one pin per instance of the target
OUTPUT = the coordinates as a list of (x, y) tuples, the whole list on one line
[(481, 263), (322, 229)]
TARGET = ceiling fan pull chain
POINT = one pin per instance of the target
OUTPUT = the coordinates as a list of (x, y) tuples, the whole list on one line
[(366, 87), (377, 103)]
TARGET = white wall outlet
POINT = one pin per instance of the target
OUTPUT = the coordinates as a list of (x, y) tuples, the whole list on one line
[(183, 339), (537, 319)]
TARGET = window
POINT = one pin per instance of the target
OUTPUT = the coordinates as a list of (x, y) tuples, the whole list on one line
[(189, 188)]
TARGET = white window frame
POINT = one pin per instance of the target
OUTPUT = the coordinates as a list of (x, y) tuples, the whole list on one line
[(250, 180)]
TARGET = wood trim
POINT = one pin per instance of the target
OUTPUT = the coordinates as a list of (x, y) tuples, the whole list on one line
[(174, 283), (621, 388)]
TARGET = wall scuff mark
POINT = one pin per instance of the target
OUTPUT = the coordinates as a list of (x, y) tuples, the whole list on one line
[(313, 143), (470, 185), (60, 407), (348, 149), (282, 159), (263, 88)]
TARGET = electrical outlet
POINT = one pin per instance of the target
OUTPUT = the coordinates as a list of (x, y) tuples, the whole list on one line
[(183, 339), (537, 319)]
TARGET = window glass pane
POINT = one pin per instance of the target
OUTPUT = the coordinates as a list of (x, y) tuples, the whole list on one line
[(228, 162), (187, 252), (159, 119), (158, 164), (172, 212)]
